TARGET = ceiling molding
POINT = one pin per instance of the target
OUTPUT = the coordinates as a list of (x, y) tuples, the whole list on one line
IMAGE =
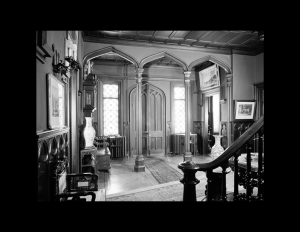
[(93, 39)]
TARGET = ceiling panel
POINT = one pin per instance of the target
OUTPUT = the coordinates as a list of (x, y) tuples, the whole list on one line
[(159, 40), (146, 32), (227, 37), (195, 35), (163, 33), (244, 41), (143, 37), (180, 34), (241, 39), (212, 35)]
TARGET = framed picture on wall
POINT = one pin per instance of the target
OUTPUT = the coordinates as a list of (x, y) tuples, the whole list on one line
[(56, 102), (244, 110), (209, 77)]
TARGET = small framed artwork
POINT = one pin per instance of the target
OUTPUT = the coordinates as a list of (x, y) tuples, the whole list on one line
[(56, 102), (209, 77), (244, 110)]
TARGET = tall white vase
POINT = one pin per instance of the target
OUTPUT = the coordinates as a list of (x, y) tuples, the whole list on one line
[(89, 133), (217, 149)]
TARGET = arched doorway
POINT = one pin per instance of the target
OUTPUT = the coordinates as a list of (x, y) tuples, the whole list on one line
[(153, 120)]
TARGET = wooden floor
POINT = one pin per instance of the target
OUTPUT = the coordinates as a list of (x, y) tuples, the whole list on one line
[(123, 178)]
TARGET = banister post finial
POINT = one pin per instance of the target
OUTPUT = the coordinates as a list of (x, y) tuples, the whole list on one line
[(189, 180)]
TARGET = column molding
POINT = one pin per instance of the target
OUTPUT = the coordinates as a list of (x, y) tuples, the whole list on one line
[(139, 165), (187, 85), (229, 105)]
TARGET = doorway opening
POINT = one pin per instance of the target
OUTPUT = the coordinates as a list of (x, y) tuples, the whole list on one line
[(211, 120)]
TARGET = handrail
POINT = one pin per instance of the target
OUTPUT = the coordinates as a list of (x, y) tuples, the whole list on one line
[(235, 146)]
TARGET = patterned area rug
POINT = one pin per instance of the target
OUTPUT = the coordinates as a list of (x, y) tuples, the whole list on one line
[(161, 171), (172, 192)]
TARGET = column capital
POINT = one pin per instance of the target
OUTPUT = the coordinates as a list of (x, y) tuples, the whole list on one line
[(187, 74), (139, 71), (229, 79)]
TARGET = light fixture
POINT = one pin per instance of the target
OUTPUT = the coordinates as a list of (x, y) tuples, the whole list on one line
[(261, 35), (74, 64)]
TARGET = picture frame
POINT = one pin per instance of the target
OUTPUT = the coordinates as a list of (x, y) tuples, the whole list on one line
[(56, 102), (209, 77), (244, 110)]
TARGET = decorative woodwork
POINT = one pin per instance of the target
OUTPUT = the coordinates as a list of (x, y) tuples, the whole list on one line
[(223, 132), (87, 160), (238, 129), (89, 94), (223, 161), (78, 185), (117, 146), (53, 161), (103, 154), (178, 144), (43, 49)]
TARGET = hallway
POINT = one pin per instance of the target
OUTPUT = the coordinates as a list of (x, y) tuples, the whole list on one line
[(122, 176)]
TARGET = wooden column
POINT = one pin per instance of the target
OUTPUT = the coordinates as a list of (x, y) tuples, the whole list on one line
[(139, 160), (230, 107), (187, 85)]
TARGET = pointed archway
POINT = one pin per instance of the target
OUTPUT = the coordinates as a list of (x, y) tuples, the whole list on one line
[(103, 51), (161, 55)]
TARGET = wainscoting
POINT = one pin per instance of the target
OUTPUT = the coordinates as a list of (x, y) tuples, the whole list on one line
[(53, 153)]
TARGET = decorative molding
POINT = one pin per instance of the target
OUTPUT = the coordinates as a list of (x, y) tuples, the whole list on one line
[(105, 50), (161, 55), (211, 59), (223, 101), (155, 45), (43, 49)]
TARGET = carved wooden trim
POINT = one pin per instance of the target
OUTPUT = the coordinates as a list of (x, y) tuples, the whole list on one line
[(142, 44), (53, 153), (43, 49), (102, 51), (234, 147), (160, 55)]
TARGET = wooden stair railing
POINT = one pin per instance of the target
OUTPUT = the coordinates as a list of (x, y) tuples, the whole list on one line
[(189, 168)]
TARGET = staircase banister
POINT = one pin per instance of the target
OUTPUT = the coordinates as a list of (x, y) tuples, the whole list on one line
[(235, 146)]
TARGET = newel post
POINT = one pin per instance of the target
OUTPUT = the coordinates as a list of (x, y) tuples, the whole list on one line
[(189, 180)]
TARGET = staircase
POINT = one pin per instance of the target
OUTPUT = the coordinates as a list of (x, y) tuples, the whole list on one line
[(245, 175)]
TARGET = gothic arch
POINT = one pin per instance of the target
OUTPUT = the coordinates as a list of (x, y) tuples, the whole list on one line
[(102, 51), (160, 55), (212, 59)]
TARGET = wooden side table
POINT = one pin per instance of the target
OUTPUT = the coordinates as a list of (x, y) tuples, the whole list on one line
[(87, 160)]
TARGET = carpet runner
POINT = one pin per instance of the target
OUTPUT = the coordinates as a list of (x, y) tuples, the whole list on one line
[(162, 171), (172, 191)]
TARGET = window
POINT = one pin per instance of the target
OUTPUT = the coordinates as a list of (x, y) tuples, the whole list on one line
[(110, 109), (179, 109)]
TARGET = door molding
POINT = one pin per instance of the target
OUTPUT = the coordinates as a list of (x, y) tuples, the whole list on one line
[(131, 91)]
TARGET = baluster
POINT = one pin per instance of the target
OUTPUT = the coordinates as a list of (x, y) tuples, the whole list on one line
[(209, 185), (260, 177), (236, 176), (248, 173), (223, 186)]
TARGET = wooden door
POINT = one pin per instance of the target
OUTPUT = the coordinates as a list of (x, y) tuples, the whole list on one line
[(153, 120)]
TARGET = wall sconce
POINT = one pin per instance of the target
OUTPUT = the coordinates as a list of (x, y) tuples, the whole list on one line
[(59, 67), (261, 35), (74, 64)]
